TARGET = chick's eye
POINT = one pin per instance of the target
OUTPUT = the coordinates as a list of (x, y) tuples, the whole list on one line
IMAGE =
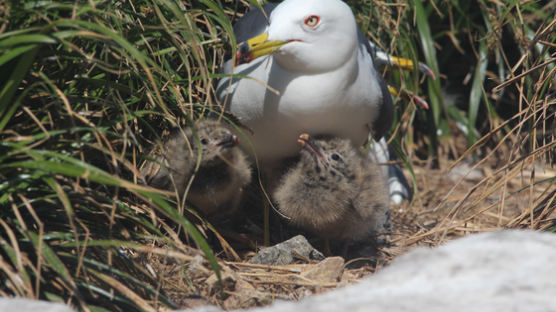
[(336, 157), (204, 141), (312, 20)]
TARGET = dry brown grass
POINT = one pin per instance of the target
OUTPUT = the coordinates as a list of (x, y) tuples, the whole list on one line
[(495, 195), (71, 145)]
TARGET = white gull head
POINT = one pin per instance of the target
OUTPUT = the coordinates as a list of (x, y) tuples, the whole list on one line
[(311, 27)]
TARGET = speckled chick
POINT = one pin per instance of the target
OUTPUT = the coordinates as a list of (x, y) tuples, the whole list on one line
[(222, 174), (334, 191)]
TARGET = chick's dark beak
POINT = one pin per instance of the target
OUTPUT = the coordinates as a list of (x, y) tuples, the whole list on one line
[(228, 141), (309, 145)]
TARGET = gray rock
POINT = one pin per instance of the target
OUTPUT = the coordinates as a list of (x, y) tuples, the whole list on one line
[(285, 252), (28, 305), (498, 271)]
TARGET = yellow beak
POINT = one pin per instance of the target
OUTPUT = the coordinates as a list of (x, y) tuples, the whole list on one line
[(403, 63), (409, 65), (257, 47)]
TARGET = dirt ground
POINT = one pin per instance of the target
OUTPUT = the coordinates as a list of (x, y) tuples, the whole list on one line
[(450, 201)]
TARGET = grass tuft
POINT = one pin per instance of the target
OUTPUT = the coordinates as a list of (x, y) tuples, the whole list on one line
[(88, 87)]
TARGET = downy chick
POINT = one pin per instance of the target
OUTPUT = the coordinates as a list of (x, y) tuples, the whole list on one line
[(222, 174), (334, 191)]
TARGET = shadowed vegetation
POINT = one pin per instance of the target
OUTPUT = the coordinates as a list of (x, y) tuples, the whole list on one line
[(88, 87)]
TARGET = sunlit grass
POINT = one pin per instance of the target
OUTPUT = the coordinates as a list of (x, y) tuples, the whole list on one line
[(88, 86)]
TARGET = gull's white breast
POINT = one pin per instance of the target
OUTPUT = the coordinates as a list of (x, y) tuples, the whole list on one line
[(343, 102)]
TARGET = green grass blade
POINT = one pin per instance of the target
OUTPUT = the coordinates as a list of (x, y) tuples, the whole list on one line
[(476, 92), (8, 90), (427, 43)]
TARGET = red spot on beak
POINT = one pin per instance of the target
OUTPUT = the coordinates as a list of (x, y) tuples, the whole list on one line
[(244, 54), (421, 102)]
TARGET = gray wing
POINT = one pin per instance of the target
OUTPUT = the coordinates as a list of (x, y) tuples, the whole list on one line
[(253, 23), (385, 117)]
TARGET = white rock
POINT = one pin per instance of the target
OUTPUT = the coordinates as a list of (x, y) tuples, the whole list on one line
[(497, 271), (28, 305)]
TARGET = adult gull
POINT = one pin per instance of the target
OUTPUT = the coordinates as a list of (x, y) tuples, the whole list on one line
[(310, 70)]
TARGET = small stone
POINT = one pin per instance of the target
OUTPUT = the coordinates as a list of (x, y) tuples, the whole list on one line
[(285, 252), (230, 303), (327, 271), (465, 170)]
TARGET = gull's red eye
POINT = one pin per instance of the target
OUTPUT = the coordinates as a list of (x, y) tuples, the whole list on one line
[(312, 20)]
